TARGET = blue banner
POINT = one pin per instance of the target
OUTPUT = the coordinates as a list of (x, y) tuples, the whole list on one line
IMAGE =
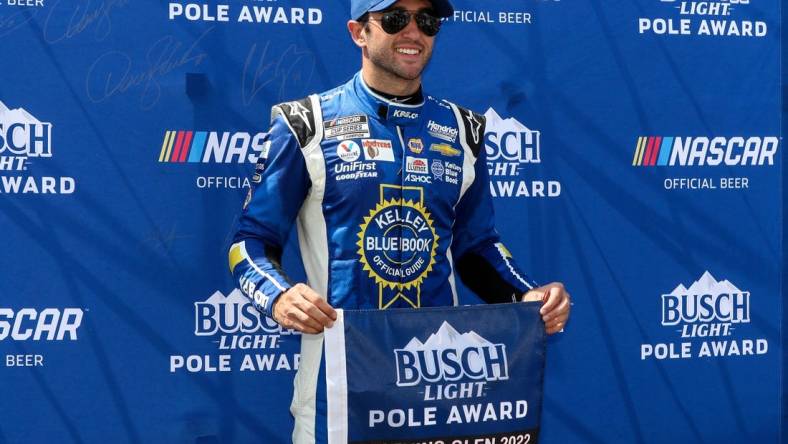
[(436, 374)]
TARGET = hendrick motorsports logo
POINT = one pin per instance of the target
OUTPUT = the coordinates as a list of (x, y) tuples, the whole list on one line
[(233, 323), (30, 324), (510, 146), (397, 246), (223, 13), (706, 315), (715, 18), (212, 147), (24, 138), (658, 151)]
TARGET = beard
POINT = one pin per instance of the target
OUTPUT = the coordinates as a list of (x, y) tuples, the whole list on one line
[(384, 59)]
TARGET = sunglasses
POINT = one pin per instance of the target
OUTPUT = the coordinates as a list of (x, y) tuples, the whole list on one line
[(396, 20)]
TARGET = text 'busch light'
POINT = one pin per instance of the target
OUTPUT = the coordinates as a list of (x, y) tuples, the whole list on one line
[(450, 356)]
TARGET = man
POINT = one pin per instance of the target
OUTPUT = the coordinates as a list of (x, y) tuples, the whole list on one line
[(390, 191)]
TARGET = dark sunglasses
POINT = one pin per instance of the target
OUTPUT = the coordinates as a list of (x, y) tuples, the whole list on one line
[(396, 20)]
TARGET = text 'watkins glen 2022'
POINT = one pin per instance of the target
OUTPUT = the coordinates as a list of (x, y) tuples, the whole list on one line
[(22, 138), (705, 316), (233, 323)]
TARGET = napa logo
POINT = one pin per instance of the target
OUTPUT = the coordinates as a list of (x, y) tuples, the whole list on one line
[(450, 356)]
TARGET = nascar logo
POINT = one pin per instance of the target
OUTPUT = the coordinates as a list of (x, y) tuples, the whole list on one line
[(704, 151), (213, 147)]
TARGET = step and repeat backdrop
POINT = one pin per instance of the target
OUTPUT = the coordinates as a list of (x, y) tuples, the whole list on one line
[(634, 151)]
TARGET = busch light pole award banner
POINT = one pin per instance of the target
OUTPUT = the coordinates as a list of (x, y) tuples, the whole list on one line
[(447, 375)]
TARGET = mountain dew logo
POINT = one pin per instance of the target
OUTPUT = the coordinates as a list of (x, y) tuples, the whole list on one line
[(450, 356), (397, 243)]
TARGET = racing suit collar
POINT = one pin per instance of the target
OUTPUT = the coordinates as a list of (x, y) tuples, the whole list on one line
[(384, 109)]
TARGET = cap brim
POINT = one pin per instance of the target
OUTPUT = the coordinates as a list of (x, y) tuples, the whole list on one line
[(442, 7)]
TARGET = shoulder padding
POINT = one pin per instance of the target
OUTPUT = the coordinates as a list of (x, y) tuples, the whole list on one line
[(474, 125), (300, 117)]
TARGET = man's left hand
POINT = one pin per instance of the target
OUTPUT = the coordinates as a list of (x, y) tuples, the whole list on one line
[(555, 305)]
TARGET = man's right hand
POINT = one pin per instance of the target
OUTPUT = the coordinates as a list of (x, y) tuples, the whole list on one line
[(302, 309)]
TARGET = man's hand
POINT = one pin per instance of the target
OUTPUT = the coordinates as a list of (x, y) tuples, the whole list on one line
[(304, 310), (555, 305)]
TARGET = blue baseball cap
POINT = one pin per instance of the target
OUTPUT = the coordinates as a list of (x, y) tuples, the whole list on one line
[(443, 8)]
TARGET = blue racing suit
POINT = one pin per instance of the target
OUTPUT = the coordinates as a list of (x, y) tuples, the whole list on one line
[(390, 202)]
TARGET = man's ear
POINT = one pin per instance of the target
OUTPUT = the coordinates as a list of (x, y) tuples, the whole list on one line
[(356, 31)]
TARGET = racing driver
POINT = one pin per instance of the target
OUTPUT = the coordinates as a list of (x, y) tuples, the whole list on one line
[(389, 191)]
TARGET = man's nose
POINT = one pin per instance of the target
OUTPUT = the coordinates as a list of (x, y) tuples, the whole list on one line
[(411, 30)]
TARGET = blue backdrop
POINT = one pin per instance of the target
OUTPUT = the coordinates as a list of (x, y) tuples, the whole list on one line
[(635, 155)]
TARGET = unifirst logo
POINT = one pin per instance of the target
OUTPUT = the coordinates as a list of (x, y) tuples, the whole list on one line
[(21, 134), (213, 147), (705, 151), (448, 356)]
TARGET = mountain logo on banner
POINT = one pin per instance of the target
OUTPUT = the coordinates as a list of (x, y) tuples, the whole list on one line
[(511, 148), (710, 317), (22, 137), (706, 300), (21, 134), (448, 355), (240, 333), (510, 140), (233, 314)]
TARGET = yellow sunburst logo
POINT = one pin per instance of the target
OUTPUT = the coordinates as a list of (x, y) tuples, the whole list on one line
[(397, 243)]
